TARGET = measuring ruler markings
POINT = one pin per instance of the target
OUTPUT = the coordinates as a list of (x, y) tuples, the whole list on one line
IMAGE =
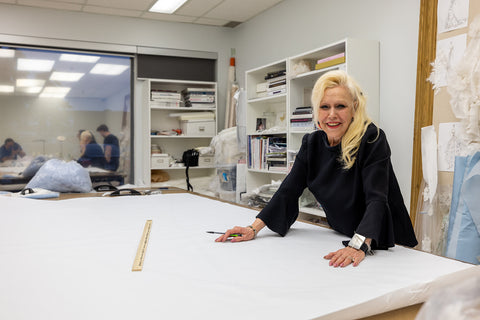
[(142, 247)]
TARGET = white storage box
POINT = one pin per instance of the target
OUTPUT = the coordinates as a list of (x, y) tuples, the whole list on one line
[(160, 161), (205, 161), (198, 127)]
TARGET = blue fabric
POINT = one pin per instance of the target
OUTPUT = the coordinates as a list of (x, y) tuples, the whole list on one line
[(463, 238)]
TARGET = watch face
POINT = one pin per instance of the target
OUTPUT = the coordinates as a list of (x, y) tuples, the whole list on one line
[(357, 241)]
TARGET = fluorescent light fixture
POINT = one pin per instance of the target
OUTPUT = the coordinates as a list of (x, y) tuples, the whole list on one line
[(7, 53), (108, 69), (30, 83), (66, 76), (35, 65), (78, 58), (167, 6), (29, 89), (6, 89), (54, 92)]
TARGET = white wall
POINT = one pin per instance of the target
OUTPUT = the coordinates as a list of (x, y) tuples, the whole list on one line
[(291, 27), (295, 26)]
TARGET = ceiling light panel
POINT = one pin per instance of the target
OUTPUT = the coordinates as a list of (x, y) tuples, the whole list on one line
[(108, 69), (31, 90), (7, 53), (30, 83), (167, 6), (66, 76), (6, 89), (54, 92), (78, 58), (37, 65)]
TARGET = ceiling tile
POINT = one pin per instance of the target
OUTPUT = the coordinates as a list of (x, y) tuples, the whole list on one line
[(197, 8), (139, 5), (112, 11), (206, 12), (211, 22), (72, 1), (51, 4), (235, 10), (168, 17)]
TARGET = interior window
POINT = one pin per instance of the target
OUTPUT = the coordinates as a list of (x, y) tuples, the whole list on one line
[(48, 96)]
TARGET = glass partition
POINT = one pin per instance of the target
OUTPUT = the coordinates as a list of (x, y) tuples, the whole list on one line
[(48, 96)]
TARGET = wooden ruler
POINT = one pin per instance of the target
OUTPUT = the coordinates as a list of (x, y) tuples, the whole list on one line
[(142, 247)]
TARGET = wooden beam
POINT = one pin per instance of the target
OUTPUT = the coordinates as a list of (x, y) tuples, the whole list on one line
[(427, 40)]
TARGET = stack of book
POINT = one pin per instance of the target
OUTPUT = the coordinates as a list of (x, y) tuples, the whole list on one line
[(302, 119), (276, 83), (199, 97), (277, 154), (330, 61), (267, 153), (165, 99)]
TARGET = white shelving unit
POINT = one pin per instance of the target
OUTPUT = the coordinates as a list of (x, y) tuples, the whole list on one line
[(162, 118), (261, 107), (361, 62)]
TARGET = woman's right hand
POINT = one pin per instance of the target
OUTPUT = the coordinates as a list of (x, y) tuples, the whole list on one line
[(244, 234)]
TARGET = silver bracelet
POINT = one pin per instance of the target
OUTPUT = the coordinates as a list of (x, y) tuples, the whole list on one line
[(254, 231)]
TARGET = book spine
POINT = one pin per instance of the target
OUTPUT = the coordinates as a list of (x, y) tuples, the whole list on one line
[(336, 56), (330, 63)]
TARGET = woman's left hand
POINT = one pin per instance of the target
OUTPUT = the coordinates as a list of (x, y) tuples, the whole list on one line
[(345, 256)]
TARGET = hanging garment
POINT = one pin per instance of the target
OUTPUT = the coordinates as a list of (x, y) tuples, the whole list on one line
[(463, 239)]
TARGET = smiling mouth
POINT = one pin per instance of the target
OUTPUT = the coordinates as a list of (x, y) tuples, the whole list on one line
[(333, 124)]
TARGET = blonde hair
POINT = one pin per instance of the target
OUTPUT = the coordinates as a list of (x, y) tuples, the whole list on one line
[(85, 137), (353, 136)]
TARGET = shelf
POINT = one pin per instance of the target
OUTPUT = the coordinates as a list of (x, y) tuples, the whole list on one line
[(361, 62), (273, 99), (182, 108), (267, 171), (301, 131), (268, 133), (318, 73), (195, 133)]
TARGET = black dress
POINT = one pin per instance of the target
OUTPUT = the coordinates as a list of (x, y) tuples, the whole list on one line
[(365, 199)]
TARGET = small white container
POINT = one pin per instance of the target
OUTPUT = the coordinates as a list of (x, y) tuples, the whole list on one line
[(205, 161), (198, 128), (160, 161)]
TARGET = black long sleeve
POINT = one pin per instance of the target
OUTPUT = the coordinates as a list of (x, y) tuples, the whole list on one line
[(365, 199)]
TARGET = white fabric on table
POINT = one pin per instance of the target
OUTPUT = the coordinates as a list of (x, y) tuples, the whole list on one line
[(72, 259)]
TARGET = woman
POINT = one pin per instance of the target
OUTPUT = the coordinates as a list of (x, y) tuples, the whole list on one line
[(346, 165), (91, 152)]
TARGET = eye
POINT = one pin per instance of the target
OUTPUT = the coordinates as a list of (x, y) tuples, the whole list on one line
[(340, 106), (324, 107)]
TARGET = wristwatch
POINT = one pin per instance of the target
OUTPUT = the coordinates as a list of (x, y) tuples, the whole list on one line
[(358, 242)]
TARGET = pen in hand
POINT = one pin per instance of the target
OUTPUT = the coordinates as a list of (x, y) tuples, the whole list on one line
[(232, 235)]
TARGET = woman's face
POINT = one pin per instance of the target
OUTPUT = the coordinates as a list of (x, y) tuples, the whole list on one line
[(335, 113)]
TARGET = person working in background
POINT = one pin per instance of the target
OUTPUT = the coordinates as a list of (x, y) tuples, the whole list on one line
[(111, 148), (79, 133), (346, 165), (10, 150), (91, 152)]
